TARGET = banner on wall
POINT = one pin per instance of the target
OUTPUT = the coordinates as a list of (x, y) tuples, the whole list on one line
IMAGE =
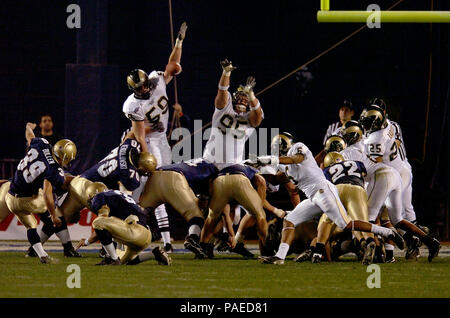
[(12, 229)]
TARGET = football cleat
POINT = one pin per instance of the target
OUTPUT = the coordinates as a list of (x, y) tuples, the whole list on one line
[(362, 250), (305, 256), (109, 261), (271, 260), (161, 256), (48, 260), (194, 247), (412, 250), (390, 260), (208, 249), (31, 252), (71, 253), (168, 248), (433, 249), (316, 258), (222, 245), (241, 250), (397, 238), (369, 253)]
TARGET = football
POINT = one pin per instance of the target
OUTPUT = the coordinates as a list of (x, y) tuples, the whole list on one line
[(173, 68)]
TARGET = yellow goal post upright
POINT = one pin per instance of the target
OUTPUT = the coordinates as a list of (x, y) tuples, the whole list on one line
[(325, 15)]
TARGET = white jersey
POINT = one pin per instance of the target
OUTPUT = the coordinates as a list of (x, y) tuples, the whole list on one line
[(381, 143), (307, 175), (229, 134), (356, 152), (152, 110), (273, 170)]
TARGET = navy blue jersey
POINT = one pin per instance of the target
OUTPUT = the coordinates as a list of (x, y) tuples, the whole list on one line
[(346, 172), (197, 172), (120, 205), (247, 171), (116, 167), (37, 166)]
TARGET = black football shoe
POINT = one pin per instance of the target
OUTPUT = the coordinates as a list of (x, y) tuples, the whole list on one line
[(161, 256), (31, 252), (433, 249), (71, 253), (305, 256), (275, 260), (191, 244), (398, 239), (241, 250)]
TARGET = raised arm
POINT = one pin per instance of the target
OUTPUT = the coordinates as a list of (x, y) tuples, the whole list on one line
[(256, 115), (175, 56), (29, 134), (224, 83), (138, 131)]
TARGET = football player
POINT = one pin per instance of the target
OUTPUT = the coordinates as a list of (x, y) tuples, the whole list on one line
[(234, 183), (381, 146), (180, 185), (348, 176), (300, 166), (38, 178), (121, 219), (234, 119), (121, 169), (148, 110)]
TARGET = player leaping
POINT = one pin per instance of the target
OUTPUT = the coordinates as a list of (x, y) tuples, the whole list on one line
[(148, 110)]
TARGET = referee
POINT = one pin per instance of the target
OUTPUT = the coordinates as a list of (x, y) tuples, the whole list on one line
[(346, 112)]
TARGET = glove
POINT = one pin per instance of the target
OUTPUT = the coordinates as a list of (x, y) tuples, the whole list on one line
[(268, 160), (248, 88), (182, 32), (227, 67)]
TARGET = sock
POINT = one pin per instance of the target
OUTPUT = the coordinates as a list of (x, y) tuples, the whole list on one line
[(239, 237), (163, 223), (39, 250), (389, 250), (44, 237), (385, 232), (194, 229), (166, 237), (146, 256), (320, 248), (110, 249), (224, 229), (282, 251)]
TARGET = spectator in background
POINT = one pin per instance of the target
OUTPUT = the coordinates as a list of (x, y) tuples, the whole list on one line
[(346, 112), (46, 125)]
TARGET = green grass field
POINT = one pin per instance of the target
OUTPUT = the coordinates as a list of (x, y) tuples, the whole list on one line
[(228, 276)]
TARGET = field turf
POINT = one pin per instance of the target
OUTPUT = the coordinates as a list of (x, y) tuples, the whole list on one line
[(225, 276)]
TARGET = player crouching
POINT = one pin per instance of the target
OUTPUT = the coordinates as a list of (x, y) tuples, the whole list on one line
[(121, 219)]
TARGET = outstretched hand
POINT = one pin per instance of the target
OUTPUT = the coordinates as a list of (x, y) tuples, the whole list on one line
[(182, 32), (227, 66)]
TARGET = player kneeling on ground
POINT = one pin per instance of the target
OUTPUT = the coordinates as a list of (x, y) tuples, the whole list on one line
[(41, 169), (121, 219)]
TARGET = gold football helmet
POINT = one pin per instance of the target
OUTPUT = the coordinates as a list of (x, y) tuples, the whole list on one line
[(335, 143), (352, 132), (137, 78), (64, 151), (331, 158), (144, 162), (281, 144), (95, 188)]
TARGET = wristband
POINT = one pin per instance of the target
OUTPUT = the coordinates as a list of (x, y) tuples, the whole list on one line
[(251, 96), (178, 43), (86, 242), (226, 73), (224, 88), (256, 107)]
